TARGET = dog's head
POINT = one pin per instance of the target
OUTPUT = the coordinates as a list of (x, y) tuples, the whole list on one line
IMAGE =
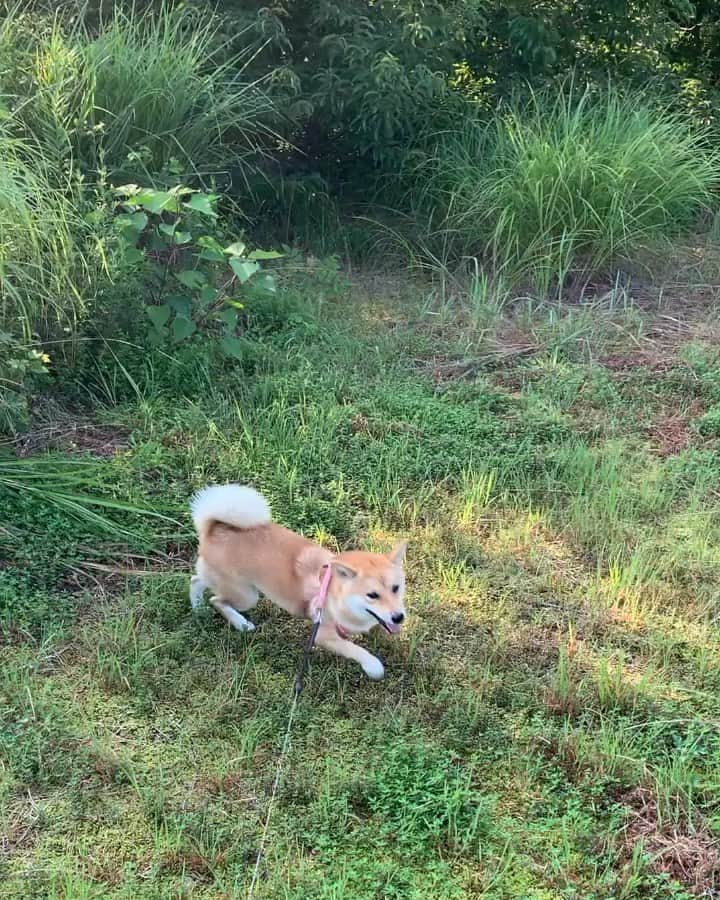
[(368, 589)]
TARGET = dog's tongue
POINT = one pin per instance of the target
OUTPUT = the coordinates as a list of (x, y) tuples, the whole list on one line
[(393, 628)]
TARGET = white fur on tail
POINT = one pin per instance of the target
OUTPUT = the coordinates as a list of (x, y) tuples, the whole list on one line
[(232, 504)]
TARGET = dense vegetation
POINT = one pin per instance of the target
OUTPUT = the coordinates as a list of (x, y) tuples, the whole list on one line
[(446, 271)]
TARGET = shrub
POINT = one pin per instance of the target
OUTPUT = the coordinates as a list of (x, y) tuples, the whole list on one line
[(20, 367), (152, 93), (194, 280), (362, 80), (569, 185)]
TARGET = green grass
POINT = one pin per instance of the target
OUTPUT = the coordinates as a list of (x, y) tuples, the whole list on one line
[(558, 671), (564, 186)]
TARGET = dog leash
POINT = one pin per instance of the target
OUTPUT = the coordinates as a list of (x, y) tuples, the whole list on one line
[(317, 606)]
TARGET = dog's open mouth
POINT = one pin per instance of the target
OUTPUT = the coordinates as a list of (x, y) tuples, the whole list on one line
[(390, 627)]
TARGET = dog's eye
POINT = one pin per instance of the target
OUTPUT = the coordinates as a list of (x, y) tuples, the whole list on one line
[(373, 595), (396, 588)]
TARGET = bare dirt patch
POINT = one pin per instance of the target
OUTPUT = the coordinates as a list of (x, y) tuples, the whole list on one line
[(23, 827), (646, 358), (231, 784), (670, 434), (103, 441), (689, 855), (195, 864)]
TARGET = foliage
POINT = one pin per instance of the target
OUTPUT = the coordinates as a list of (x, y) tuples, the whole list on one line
[(44, 270), (363, 79), (565, 185), (20, 367), (359, 79), (194, 282)]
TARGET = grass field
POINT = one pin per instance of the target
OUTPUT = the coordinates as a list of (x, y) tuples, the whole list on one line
[(548, 723)]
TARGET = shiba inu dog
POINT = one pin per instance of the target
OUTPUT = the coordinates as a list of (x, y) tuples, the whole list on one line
[(243, 553)]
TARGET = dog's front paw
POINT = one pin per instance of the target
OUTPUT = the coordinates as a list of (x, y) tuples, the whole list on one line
[(373, 668), (238, 621)]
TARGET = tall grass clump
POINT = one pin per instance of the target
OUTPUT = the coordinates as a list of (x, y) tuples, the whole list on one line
[(148, 90), (567, 185), (40, 260)]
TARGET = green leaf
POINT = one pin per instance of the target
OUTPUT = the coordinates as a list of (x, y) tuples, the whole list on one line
[(264, 283), (177, 237), (232, 346), (211, 249), (158, 315), (157, 201), (208, 294), (180, 191), (191, 278), (243, 269), (156, 241), (158, 336), (203, 203), (175, 167), (236, 249), (131, 225), (133, 256), (182, 328), (181, 304), (265, 254), (127, 190), (229, 317)]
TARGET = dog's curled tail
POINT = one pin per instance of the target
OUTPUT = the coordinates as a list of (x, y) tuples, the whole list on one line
[(231, 504)]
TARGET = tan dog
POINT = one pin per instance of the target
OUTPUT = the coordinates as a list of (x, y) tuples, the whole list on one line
[(244, 553)]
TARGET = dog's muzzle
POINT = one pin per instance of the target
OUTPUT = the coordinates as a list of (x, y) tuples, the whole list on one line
[(392, 627)]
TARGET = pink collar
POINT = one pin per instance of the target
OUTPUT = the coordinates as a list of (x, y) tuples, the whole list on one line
[(317, 604)]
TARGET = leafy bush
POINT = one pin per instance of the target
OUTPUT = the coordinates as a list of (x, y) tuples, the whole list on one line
[(568, 185), (192, 280), (150, 92), (362, 80), (359, 80)]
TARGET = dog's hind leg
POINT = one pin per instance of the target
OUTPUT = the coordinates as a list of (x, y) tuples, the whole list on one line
[(197, 586), (243, 596), (197, 589)]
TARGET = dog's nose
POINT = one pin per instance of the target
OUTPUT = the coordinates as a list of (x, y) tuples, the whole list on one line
[(397, 617)]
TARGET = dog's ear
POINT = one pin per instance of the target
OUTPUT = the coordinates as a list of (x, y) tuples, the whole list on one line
[(397, 554), (342, 570)]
